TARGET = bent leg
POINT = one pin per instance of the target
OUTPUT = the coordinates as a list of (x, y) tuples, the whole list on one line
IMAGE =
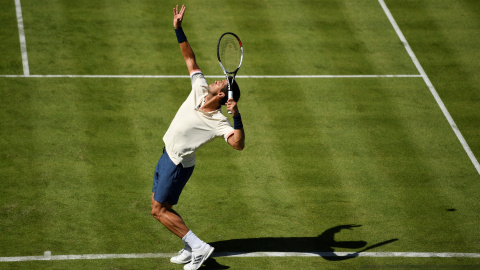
[(164, 213)]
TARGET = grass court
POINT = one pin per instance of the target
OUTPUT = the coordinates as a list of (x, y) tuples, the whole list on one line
[(345, 131)]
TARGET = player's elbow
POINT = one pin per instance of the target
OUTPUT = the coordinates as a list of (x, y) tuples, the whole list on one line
[(239, 146), (237, 143)]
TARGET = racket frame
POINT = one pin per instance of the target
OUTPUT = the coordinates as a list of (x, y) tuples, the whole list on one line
[(227, 72)]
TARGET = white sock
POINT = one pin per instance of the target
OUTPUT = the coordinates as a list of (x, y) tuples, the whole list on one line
[(187, 247), (192, 240)]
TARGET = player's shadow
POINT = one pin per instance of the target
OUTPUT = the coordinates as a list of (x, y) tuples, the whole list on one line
[(323, 245)]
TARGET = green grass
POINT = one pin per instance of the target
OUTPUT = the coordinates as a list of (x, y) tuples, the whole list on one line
[(442, 42), (77, 154), (11, 59)]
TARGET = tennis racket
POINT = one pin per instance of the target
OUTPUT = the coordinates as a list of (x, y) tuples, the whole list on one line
[(230, 56)]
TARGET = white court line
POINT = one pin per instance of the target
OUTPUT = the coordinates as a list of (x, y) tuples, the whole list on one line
[(430, 86), (323, 76), (350, 254), (21, 34), (214, 76), (49, 257)]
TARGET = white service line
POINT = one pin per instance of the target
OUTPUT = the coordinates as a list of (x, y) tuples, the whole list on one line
[(49, 257), (323, 76), (21, 34), (430, 86), (214, 76)]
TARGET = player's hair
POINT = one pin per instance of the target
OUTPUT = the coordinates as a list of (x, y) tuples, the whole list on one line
[(235, 89)]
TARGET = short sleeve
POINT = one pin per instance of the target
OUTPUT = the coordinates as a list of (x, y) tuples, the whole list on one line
[(225, 129), (197, 74)]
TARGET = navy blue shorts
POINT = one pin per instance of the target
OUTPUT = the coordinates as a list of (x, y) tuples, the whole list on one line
[(169, 180)]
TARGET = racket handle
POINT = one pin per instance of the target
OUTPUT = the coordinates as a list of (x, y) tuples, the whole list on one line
[(230, 95)]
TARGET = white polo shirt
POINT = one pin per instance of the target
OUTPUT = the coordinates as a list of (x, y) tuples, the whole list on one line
[(192, 127)]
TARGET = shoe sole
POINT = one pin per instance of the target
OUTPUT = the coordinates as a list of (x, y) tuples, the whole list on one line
[(180, 262)]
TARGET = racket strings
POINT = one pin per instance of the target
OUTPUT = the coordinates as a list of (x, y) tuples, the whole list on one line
[(230, 53)]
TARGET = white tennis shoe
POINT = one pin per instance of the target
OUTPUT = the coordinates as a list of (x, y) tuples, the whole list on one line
[(184, 256), (199, 256)]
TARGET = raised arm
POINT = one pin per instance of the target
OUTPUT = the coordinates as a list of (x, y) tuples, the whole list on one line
[(187, 51)]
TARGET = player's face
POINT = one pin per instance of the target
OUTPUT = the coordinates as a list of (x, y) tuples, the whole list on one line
[(218, 86)]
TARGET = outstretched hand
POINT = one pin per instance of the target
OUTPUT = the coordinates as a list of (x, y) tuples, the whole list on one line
[(178, 16)]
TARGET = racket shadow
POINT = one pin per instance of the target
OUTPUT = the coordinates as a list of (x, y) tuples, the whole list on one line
[(324, 245)]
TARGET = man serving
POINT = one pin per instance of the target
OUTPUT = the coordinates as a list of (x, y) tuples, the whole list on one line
[(198, 121)]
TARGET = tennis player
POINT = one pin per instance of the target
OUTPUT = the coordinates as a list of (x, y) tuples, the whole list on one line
[(198, 121)]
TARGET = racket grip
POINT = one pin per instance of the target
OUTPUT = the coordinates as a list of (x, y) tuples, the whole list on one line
[(230, 95)]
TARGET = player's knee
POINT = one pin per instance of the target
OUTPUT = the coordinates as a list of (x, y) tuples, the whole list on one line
[(156, 213), (158, 210)]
